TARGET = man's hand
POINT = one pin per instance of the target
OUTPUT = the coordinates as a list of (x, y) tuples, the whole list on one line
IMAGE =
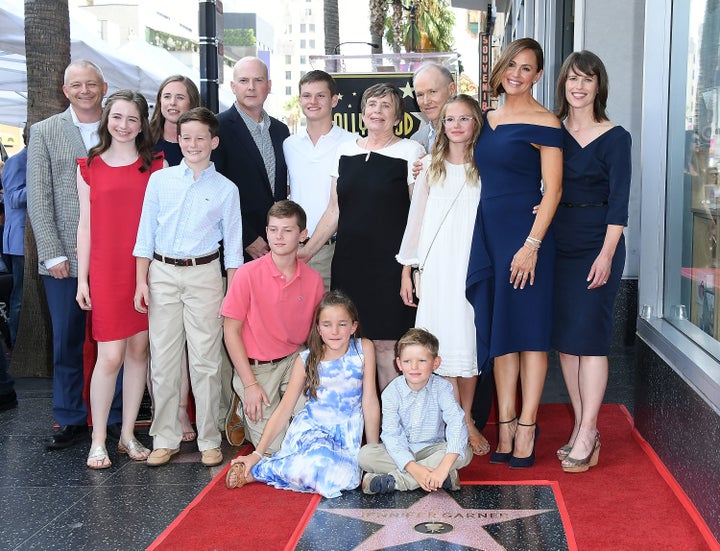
[(257, 248), (61, 270)]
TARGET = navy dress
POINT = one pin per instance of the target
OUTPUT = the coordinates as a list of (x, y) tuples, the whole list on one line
[(596, 189), (507, 319)]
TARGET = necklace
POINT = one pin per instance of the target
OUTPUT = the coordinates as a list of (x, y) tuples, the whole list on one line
[(387, 143)]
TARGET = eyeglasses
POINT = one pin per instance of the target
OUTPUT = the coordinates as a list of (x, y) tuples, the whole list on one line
[(465, 119)]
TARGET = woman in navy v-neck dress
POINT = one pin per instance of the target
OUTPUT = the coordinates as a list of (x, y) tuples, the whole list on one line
[(510, 275), (590, 246)]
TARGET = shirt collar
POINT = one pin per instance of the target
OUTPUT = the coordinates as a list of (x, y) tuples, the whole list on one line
[(252, 123)]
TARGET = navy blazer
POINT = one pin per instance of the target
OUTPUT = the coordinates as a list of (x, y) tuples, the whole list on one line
[(238, 159)]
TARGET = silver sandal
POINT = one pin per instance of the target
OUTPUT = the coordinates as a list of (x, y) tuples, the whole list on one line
[(134, 449), (98, 454)]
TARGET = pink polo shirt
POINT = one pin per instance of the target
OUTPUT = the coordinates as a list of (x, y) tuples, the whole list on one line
[(276, 314)]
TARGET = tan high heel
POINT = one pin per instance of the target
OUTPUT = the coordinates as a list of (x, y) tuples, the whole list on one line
[(572, 465)]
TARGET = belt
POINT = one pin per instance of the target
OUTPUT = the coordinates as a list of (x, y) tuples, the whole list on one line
[(253, 361), (583, 205), (197, 261)]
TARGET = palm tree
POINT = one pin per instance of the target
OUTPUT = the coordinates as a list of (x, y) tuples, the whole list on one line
[(378, 9), (47, 49), (432, 30), (396, 25), (331, 21)]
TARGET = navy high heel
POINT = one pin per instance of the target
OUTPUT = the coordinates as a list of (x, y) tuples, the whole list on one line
[(529, 461), (504, 457)]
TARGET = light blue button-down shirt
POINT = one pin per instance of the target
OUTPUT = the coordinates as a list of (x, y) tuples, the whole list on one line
[(185, 218), (413, 420)]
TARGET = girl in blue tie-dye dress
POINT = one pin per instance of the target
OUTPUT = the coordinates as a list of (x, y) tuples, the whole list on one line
[(336, 375)]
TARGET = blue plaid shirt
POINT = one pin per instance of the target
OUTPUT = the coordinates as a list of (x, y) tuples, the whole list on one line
[(185, 218), (413, 420)]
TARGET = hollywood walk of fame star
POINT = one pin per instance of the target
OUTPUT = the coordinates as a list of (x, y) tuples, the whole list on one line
[(398, 525), (407, 90)]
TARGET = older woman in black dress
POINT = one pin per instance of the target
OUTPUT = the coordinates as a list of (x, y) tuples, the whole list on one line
[(590, 252), (369, 203)]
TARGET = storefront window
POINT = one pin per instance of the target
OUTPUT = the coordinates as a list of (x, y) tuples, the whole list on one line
[(692, 263)]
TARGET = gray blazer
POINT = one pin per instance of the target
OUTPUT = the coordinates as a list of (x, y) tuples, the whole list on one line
[(422, 136), (52, 199)]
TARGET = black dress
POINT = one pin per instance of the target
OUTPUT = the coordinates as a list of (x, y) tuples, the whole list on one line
[(373, 203), (596, 189)]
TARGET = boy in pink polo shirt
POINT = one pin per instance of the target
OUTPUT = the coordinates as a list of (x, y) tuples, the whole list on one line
[(268, 312)]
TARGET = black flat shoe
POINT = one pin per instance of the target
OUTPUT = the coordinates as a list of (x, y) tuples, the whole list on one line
[(529, 461), (67, 436)]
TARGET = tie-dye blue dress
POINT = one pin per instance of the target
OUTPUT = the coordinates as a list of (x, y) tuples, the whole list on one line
[(320, 451)]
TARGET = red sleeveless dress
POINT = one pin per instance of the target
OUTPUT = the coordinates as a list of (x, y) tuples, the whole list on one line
[(116, 199)]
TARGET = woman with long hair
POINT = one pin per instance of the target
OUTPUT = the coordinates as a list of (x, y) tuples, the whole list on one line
[(510, 275), (111, 184)]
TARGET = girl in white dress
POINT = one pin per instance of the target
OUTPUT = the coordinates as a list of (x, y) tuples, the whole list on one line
[(437, 240)]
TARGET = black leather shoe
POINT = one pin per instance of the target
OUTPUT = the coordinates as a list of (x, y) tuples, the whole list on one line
[(114, 430), (8, 401), (67, 436)]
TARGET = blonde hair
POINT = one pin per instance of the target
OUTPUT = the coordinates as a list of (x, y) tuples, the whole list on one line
[(436, 171)]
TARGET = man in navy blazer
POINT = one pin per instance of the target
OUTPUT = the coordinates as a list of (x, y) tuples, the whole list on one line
[(251, 152)]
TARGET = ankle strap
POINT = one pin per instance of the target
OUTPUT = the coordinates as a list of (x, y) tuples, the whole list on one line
[(506, 422)]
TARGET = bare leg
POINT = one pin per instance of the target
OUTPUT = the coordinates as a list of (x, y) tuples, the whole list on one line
[(506, 372), (466, 387), (134, 378), (102, 389), (570, 366), (385, 361), (592, 381), (533, 369), (187, 428)]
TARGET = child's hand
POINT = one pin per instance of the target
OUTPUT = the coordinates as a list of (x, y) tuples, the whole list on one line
[(141, 298), (406, 290), (83, 296), (254, 400), (421, 474), (436, 478), (249, 461)]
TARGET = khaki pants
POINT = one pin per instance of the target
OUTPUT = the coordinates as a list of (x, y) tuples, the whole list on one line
[(185, 306), (274, 378), (322, 262), (374, 458)]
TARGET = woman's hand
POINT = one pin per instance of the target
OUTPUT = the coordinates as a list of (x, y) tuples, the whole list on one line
[(249, 461), (522, 267), (599, 271)]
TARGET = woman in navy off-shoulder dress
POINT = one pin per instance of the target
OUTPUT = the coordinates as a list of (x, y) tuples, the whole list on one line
[(510, 274), (590, 246)]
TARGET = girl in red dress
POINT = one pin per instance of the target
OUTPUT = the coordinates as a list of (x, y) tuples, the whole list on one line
[(111, 188)]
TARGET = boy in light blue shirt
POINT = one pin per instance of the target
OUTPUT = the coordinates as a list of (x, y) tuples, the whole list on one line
[(188, 209), (424, 434)]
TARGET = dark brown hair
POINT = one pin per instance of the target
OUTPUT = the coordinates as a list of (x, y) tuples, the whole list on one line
[(589, 64), (202, 115), (319, 76), (143, 141)]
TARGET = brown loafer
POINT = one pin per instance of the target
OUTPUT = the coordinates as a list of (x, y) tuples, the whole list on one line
[(234, 424), (235, 477), (212, 457), (160, 456)]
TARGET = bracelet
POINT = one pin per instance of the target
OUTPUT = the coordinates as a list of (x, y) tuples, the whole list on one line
[(261, 456), (533, 242), (252, 384)]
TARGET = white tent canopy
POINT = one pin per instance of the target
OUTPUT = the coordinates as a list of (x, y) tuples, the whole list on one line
[(141, 67)]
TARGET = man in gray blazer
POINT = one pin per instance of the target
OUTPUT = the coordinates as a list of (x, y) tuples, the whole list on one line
[(55, 145), (433, 84)]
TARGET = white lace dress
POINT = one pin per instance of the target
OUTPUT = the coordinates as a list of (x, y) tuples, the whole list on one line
[(443, 309)]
